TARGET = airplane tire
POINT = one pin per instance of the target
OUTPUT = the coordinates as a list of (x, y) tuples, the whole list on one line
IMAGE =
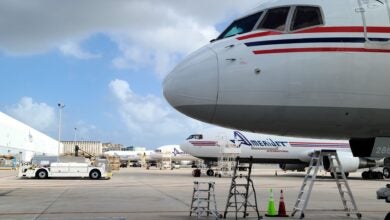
[(196, 173), (379, 175), (386, 172), (371, 175), (365, 175), (210, 172)]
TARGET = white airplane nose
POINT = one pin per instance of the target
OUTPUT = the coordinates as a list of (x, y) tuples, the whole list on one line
[(186, 147), (192, 87)]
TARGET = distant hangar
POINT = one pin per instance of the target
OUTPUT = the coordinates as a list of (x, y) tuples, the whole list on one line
[(22, 141)]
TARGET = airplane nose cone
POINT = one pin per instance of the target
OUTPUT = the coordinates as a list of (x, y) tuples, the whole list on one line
[(192, 87), (185, 147)]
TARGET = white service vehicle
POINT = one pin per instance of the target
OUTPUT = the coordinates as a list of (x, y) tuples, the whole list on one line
[(80, 167)]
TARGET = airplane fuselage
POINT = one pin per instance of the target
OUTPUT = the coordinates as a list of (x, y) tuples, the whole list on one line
[(290, 153), (263, 148), (172, 152), (328, 80)]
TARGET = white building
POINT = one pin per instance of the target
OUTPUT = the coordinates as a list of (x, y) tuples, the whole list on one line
[(112, 147), (22, 141), (94, 148)]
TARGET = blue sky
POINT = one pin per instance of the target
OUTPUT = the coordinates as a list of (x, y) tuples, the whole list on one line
[(105, 61)]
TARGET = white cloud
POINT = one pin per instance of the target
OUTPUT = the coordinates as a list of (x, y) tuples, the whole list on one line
[(85, 131), (133, 57), (40, 116), (148, 32), (161, 47), (148, 117), (73, 49)]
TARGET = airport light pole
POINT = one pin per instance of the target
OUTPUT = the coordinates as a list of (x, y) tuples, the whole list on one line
[(60, 107), (75, 134)]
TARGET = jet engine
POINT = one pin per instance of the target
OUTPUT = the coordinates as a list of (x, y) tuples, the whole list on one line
[(350, 163), (298, 167)]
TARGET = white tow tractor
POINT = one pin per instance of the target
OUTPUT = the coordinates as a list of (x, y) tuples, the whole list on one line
[(46, 167)]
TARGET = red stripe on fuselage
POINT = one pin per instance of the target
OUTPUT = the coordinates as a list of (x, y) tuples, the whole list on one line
[(203, 143), (338, 29), (320, 49), (259, 34)]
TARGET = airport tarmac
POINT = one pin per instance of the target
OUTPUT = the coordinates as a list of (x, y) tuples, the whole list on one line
[(137, 193)]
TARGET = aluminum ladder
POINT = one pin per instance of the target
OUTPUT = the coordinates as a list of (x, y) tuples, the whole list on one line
[(241, 190), (226, 160), (339, 177), (202, 196)]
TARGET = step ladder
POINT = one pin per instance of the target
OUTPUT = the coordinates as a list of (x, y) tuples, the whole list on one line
[(202, 196), (227, 154), (339, 177), (166, 160), (242, 194)]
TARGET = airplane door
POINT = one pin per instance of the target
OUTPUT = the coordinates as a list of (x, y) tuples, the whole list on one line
[(245, 77), (233, 55), (231, 64), (375, 13)]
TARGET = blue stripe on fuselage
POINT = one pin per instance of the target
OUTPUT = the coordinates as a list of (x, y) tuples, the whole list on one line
[(315, 40)]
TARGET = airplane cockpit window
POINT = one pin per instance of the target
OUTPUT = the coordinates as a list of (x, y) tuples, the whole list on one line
[(195, 137), (241, 26), (306, 16), (275, 19)]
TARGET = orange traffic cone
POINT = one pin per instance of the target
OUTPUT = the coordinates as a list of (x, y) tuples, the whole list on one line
[(282, 207)]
